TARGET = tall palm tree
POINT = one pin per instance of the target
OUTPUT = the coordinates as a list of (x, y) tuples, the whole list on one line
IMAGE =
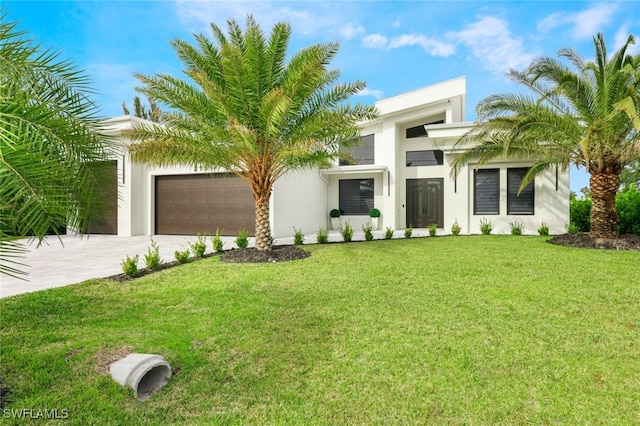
[(587, 114), (51, 150), (249, 110)]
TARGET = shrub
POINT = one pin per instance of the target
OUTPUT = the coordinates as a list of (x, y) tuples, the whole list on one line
[(182, 256), (433, 230), (408, 232), (580, 213), (628, 206), (388, 233), (334, 213), (544, 229), (130, 266), (486, 226), (374, 213), (298, 236), (152, 258), (347, 232), (242, 240), (572, 228), (217, 241), (456, 228), (368, 232), (199, 247), (517, 227), (323, 236)]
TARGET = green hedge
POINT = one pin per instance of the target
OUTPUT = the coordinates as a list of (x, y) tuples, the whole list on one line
[(627, 203)]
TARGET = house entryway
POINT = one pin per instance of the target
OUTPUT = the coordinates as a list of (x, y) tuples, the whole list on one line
[(425, 202), (201, 203)]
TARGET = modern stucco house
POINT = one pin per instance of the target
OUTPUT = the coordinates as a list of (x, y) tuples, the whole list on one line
[(402, 168)]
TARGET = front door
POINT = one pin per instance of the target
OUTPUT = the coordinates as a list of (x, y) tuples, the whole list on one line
[(425, 202)]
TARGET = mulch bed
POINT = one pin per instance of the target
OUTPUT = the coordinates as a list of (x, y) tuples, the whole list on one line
[(582, 240), (276, 254)]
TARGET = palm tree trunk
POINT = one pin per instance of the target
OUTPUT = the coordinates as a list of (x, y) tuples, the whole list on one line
[(604, 217), (263, 228)]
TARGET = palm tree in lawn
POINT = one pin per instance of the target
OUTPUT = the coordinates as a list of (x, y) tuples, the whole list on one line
[(51, 151), (249, 110), (585, 112)]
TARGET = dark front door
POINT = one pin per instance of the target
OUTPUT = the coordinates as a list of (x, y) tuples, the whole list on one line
[(425, 202)]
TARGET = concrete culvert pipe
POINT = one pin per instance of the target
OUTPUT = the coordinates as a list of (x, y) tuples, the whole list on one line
[(144, 373)]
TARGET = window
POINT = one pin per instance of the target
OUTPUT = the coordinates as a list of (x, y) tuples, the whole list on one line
[(424, 158), (356, 196), (360, 154), (420, 131), (519, 203), (486, 199)]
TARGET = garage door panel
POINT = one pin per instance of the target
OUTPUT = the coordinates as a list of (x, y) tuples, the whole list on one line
[(192, 204), (107, 222)]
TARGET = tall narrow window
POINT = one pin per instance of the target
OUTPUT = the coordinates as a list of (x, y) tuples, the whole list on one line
[(362, 154), (486, 197), (356, 196), (522, 203)]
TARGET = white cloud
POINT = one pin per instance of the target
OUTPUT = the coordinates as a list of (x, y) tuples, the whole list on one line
[(583, 24), (321, 18), (349, 31), (492, 44), (375, 41), (432, 46), (377, 94)]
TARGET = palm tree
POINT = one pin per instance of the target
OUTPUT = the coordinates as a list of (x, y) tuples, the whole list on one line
[(249, 111), (587, 114), (50, 149)]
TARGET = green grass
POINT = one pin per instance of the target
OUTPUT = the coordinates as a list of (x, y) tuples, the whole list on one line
[(466, 330)]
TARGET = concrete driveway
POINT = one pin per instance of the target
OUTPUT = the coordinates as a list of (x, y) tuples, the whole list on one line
[(71, 259)]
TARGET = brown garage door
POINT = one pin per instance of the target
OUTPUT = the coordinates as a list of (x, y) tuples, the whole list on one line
[(202, 203), (107, 223)]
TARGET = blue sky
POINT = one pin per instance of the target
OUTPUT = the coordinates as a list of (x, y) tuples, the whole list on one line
[(395, 46)]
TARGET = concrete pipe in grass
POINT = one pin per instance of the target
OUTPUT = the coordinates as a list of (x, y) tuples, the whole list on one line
[(144, 373)]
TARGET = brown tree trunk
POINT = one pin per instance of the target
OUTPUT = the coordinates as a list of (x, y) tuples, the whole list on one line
[(263, 228), (604, 217)]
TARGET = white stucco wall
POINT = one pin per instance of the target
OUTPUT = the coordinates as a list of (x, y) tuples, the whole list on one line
[(299, 199)]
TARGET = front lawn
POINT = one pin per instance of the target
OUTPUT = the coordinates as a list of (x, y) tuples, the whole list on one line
[(446, 330)]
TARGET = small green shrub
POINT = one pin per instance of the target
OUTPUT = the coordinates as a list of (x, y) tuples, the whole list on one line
[(368, 232), (334, 213), (433, 230), (374, 213), (408, 232), (152, 258), (199, 247), (486, 226), (572, 228), (456, 228), (347, 232), (182, 256), (130, 266), (217, 241), (388, 233), (544, 229), (298, 237), (517, 227), (323, 236), (242, 240)]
